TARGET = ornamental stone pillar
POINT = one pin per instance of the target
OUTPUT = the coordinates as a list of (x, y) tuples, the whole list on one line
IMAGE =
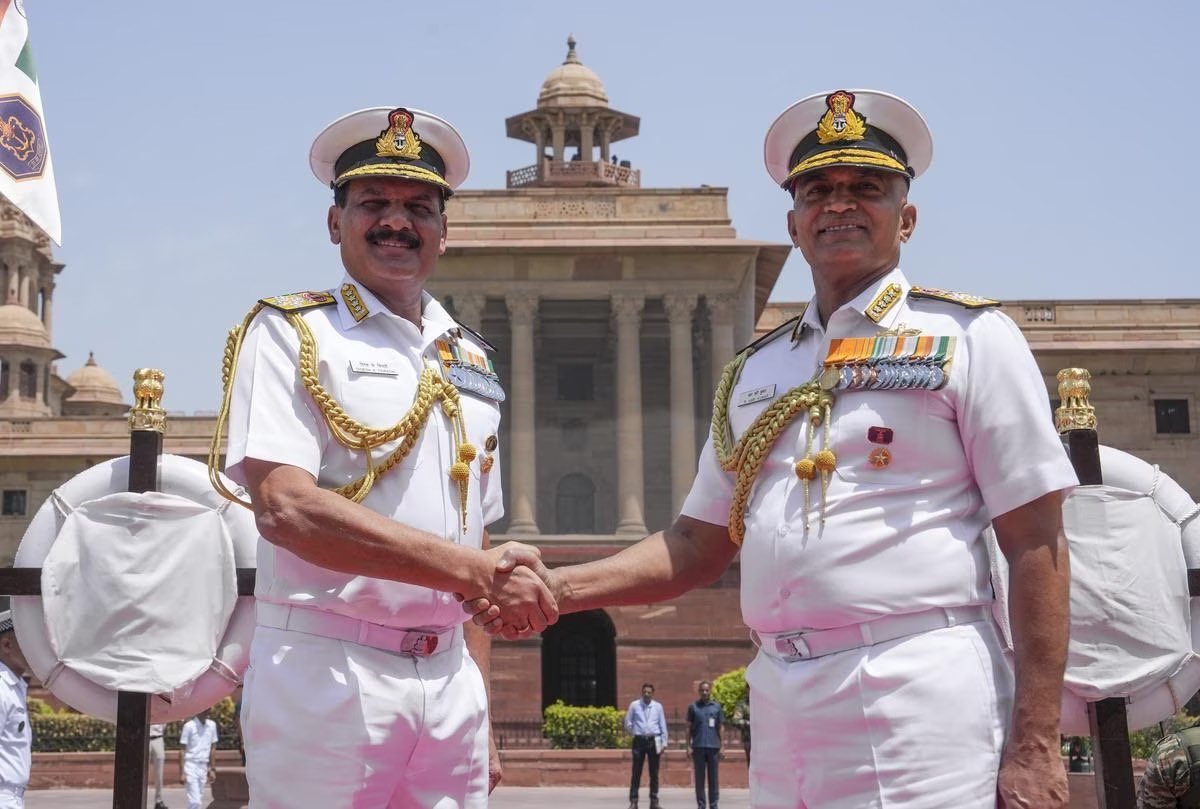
[(683, 396), (720, 311), (522, 450), (631, 490), (468, 309)]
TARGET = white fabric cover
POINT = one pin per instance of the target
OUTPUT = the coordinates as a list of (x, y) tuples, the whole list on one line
[(1134, 628), (138, 590), (1129, 593)]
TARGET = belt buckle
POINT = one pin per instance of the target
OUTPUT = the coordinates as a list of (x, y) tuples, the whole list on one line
[(419, 644), (792, 646)]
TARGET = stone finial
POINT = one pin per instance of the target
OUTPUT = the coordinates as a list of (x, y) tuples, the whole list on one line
[(572, 57), (1074, 412), (147, 412)]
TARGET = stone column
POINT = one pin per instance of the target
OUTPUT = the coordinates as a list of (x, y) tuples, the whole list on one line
[(468, 309), (558, 135), (680, 307), (720, 311), (587, 132), (522, 449), (631, 490), (48, 310)]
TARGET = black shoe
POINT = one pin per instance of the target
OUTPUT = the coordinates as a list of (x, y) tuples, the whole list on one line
[(160, 805)]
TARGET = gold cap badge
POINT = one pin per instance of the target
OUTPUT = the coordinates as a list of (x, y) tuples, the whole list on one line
[(840, 122), (399, 140)]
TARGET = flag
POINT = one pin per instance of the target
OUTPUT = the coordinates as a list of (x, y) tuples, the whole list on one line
[(26, 175)]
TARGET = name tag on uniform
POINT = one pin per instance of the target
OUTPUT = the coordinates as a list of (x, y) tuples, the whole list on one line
[(377, 367), (756, 395), (712, 721)]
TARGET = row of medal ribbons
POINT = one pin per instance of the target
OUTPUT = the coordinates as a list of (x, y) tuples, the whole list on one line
[(469, 371), (888, 362)]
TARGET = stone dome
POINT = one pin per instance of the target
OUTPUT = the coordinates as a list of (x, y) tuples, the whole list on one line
[(572, 85), (94, 384), (21, 327)]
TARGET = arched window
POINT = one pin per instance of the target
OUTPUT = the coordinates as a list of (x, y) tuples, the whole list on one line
[(3, 380), (28, 382), (579, 660), (575, 505)]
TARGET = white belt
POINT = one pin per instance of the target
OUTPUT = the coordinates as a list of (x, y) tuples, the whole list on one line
[(809, 643), (411, 642)]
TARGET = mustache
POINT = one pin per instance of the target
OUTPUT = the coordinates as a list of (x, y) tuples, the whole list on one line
[(385, 233)]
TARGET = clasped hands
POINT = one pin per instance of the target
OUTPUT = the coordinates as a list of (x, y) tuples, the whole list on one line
[(517, 600)]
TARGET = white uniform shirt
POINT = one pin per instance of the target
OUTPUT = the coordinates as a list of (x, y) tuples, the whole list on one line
[(16, 737), (198, 740), (905, 537), (370, 367)]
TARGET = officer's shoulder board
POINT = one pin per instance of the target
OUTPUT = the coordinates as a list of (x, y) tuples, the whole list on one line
[(787, 327), (959, 298), (477, 337), (299, 301)]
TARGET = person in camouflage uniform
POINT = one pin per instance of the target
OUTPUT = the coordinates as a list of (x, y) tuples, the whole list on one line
[(1169, 778)]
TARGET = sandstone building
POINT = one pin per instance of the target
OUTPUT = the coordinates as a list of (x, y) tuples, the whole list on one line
[(613, 307)]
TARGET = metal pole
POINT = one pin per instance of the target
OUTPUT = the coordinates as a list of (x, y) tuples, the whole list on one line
[(1107, 720), (147, 422)]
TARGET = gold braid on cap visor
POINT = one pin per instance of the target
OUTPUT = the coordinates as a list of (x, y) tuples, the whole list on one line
[(349, 432), (393, 170), (745, 458), (844, 157)]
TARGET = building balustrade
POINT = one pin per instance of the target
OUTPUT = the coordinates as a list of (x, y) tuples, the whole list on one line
[(575, 172)]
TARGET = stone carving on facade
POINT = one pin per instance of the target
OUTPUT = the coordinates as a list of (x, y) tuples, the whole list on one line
[(468, 308)]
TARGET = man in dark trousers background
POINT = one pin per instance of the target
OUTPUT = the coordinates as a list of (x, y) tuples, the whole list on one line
[(646, 722), (704, 718)]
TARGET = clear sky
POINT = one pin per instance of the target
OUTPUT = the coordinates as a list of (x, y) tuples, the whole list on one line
[(1064, 166)]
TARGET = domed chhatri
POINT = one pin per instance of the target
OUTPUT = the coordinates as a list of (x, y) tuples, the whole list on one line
[(94, 384), (571, 84), (572, 113), (19, 326)]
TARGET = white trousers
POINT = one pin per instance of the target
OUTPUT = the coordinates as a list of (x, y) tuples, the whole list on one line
[(158, 757), (919, 723), (196, 775), (337, 725)]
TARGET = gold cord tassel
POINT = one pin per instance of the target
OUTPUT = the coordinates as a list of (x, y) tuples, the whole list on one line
[(347, 431)]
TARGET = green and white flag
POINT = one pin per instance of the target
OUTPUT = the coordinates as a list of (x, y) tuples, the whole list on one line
[(26, 174)]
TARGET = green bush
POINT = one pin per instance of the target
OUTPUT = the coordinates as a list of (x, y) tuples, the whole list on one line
[(729, 689), (570, 726), (69, 732), (1143, 742)]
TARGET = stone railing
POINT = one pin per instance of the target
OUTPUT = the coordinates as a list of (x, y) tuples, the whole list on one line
[(575, 173)]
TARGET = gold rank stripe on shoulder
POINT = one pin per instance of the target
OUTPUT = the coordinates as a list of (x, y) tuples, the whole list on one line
[(354, 302), (884, 301), (888, 362), (298, 301), (960, 298)]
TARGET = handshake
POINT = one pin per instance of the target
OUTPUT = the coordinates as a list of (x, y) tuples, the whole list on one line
[(515, 595)]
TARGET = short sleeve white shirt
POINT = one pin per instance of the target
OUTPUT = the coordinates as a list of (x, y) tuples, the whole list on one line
[(370, 366), (198, 740), (906, 536), (16, 736)]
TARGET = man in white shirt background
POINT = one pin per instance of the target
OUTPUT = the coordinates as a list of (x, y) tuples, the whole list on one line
[(197, 747), (646, 722), (16, 738)]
